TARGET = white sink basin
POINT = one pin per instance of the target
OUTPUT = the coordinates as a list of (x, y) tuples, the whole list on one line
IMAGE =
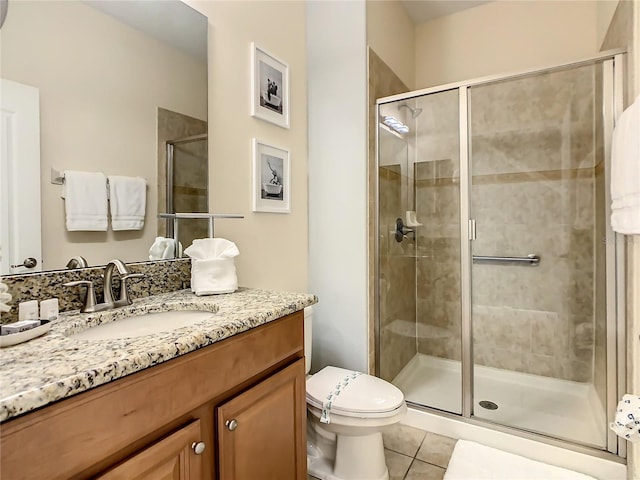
[(143, 324)]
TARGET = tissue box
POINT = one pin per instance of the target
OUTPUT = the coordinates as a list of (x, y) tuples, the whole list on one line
[(215, 276)]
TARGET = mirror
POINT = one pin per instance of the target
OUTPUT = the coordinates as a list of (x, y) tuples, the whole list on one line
[(115, 80)]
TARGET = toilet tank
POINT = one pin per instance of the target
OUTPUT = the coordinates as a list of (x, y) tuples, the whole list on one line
[(308, 317)]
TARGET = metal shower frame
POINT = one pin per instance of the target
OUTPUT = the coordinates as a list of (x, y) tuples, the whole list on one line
[(613, 89)]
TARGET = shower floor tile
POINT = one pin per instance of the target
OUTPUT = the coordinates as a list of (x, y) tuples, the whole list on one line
[(559, 408)]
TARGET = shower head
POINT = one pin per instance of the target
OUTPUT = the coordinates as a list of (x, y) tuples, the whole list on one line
[(415, 112)]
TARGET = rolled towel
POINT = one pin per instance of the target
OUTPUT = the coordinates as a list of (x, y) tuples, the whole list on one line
[(627, 420), (164, 249), (213, 269), (128, 199), (210, 248), (85, 195)]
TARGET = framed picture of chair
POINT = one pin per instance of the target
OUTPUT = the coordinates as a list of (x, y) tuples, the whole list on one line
[(269, 87)]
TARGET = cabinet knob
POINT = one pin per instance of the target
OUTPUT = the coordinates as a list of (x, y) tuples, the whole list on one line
[(232, 424), (198, 447)]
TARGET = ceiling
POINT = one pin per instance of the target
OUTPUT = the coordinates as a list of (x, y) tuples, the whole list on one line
[(424, 10)]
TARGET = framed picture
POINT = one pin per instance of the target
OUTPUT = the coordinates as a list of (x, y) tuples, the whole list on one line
[(269, 87), (271, 178)]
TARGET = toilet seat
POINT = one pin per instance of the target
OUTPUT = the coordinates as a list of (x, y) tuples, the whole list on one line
[(363, 396)]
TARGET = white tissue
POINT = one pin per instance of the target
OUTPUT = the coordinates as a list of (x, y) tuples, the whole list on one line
[(627, 421), (5, 298), (210, 248), (213, 269)]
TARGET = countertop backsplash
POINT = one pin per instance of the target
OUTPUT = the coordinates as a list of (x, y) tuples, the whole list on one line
[(160, 277)]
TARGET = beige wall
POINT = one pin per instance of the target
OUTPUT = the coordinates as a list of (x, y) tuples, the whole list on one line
[(95, 118), (503, 36), (273, 247), (604, 13), (391, 34)]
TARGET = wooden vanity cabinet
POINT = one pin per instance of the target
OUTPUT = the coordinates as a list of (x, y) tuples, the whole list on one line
[(258, 436), (176, 457), (154, 424)]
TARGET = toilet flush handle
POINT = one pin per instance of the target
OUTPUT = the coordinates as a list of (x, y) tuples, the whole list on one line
[(232, 424)]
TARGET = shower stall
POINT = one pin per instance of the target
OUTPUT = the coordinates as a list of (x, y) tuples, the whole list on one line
[(187, 176), (499, 286)]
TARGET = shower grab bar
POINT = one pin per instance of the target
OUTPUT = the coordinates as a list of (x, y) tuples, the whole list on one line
[(532, 259)]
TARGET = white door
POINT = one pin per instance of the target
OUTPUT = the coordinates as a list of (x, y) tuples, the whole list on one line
[(20, 231)]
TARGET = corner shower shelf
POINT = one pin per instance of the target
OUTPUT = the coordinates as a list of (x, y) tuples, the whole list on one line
[(419, 330)]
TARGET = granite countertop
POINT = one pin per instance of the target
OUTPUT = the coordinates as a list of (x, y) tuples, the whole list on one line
[(54, 366)]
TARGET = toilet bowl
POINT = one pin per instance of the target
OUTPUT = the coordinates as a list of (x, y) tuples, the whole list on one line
[(346, 412)]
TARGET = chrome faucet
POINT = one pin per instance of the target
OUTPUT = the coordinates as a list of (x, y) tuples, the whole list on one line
[(108, 286), (90, 304)]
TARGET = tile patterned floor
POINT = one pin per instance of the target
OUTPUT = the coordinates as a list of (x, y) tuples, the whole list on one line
[(413, 454)]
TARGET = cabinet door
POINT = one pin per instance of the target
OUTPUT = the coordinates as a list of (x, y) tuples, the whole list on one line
[(262, 432), (171, 458)]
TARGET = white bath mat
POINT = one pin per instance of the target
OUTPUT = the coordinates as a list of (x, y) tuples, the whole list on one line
[(472, 461)]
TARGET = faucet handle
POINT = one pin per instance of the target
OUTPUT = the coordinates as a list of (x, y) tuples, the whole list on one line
[(90, 298), (124, 295)]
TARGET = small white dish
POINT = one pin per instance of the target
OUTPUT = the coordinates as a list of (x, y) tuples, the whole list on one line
[(20, 337)]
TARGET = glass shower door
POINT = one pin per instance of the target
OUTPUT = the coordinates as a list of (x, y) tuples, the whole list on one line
[(538, 301), (420, 306)]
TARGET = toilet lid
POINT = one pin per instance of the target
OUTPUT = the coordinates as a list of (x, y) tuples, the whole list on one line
[(362, 394)]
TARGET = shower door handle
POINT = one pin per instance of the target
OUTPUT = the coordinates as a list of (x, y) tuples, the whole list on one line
[(532, 259)]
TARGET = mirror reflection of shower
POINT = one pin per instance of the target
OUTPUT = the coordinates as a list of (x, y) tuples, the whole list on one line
[(187, 185)]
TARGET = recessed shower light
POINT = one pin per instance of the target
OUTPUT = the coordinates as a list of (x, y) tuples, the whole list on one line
[(392, 122)]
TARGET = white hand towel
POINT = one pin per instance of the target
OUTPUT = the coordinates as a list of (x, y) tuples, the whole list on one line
[(85, 195), (213, 268), (128, 199), (625, 172)]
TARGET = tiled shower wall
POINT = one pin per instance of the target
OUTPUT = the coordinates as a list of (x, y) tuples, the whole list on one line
[(397, 280), (397, 270), (533, 168), (190, 172), (437, 205)]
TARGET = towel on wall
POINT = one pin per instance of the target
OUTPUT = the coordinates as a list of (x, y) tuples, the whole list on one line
[(625, 172), (128, 200), (85, 195)]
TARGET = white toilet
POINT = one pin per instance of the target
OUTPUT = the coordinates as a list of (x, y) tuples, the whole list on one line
[(356, 406)]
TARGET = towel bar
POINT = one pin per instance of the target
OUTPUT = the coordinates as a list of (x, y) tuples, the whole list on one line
[(532, 259), (209, 216)]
